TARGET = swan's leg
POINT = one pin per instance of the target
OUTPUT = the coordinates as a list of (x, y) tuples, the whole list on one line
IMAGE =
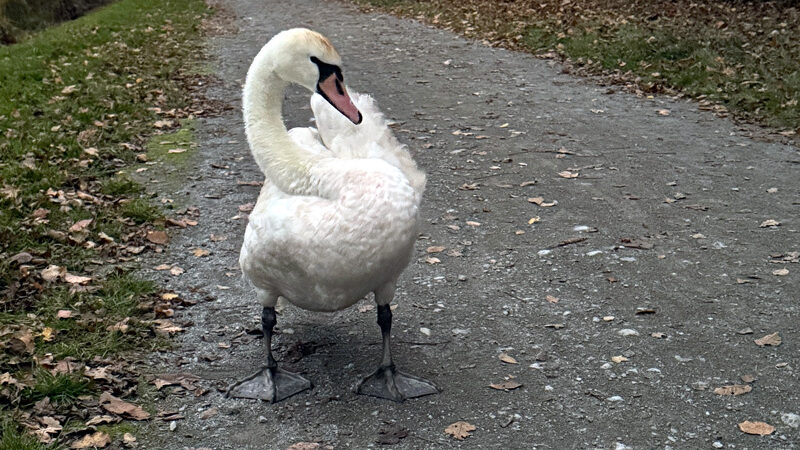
[(270, 383), (387, 381)]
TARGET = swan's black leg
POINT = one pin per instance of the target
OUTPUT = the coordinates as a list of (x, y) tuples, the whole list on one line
[(270, 383), (387, 381)]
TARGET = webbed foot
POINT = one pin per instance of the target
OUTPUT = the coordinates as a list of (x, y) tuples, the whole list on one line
[(270, 384), (392, 384)]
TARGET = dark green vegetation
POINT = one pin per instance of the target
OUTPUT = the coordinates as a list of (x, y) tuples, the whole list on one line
[(77, 104), (740, 57), (20, 17)]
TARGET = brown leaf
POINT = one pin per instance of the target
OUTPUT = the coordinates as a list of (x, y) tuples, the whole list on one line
[(435, 249), (175, 270), (80, 225), (771, 339), (210, 412), (568, 174), (169, 296), (748, 378), (506, 358), (162, 267), (76, 279), (247, 207), (506, 385), (780, 272), (95, 440), (460, 430), (53, 272), (551, 299), (200, 252), (540, 201), (157, 237), (733, 389), (100, 420), (618, 359), (759, 428), (64, 314), (122, 408), (432, 260)]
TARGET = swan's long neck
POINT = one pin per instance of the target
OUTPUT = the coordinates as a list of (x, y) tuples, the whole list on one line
[(283, 162)]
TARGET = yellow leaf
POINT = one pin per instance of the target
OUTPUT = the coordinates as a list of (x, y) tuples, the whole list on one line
[(48, 334)]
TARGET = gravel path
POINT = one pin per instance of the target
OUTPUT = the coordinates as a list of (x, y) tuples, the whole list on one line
[(625, 304)]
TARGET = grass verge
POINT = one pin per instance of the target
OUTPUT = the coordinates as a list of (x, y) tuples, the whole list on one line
[(738, 57), (78, 104)]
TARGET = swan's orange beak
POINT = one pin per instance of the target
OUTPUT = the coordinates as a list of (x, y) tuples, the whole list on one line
[(332, 89)]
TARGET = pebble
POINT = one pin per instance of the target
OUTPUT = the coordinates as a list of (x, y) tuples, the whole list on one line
[(628, 332), (614, 398), (462, 278), (425, 331), (717, 444), (173, 425), (791, 419)]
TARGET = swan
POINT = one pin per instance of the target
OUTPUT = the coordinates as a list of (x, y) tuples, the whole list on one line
[(336, 217)]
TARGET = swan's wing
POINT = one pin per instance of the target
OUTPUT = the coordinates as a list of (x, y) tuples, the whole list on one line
[(372, 138), (309, 139)]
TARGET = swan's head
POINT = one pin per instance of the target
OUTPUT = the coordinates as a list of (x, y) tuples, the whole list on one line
[(308, 58)]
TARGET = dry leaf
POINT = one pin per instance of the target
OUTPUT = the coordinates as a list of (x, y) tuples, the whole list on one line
[(551, 299), (64, 314), (128, 439), (169, 296), (76, 279), (432, 260), (759, 428), (48, 334), (95, 440), (780, 272), (162, 267), (534, 220), (100, 420), (771, 339), (53, 272), (69, 89), (304, 446), (733, 389), (770, 223), (663, 112), (507, 359), (568, 174), (199, 252), (540, 201), (365, 307), (506, 385), (435, 249), (247, 207), (157, 237), (175, 270), (619, 359), (122, 408), (80, 225), (748, 378), (472, 223), (176, 150), (460, 430)]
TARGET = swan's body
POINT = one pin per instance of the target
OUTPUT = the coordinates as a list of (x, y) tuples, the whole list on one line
[(336, 217), (352, 232)]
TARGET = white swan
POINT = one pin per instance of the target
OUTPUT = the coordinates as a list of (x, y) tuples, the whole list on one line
[(337, 216)]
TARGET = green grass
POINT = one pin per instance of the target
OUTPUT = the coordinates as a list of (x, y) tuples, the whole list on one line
[(62, 389), (12, 437), (78, 102)]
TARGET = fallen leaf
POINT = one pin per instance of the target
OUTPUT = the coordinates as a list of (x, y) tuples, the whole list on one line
[(100, 420), (169, 296), (460, 430), (506, 358), (432, 260), (80, 225), (48, 334), (770, 223), (771, 339), (247, 207), (162, 267), (733, 389), (568, 174), (540, 201), (658, 335), (53, 272), (157, 237), (95, 440), (780, 272), (472, 223), (618, 359), (128, 439), (200, 252), (435, 249), (759, 428), (176, 150), (64, 314), (534, 220), (663, 112), (175, 271), (748, 378), (551, 299), (304, 446), (391, 434), (162, 123), (69, 89), (210, 412), (76, 279), (122, 408), (509, 385)]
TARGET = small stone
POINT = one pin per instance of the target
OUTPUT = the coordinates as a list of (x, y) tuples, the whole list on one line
[(425, 331), (717, 444), (628, 332), (462, 278), (173, 425), (791, 419), (262, 419), (614, 398)]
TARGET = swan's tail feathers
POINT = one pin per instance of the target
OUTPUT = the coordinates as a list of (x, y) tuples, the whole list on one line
[(372, 138)]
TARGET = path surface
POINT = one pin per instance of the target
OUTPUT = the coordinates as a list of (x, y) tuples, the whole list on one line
[(452, 99)]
